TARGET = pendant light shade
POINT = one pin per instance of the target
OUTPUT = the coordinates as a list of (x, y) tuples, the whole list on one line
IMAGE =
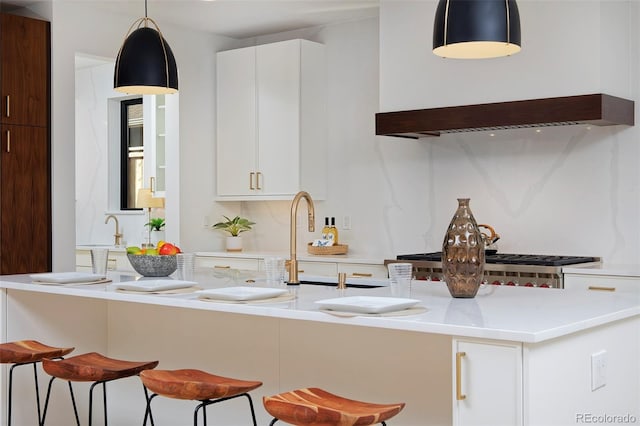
[(475, 29), (145, 64)]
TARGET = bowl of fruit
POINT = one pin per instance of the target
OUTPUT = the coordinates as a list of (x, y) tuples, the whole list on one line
[(157, 261)]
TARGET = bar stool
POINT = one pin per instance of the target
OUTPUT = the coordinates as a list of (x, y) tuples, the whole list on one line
[(196, 385), (25, 352), (316, 407), (91, 367)]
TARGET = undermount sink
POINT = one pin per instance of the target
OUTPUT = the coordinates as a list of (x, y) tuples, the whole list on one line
[(356, 282)]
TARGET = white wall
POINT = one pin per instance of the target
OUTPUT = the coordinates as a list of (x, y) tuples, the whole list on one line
[(562, 191), (98, 33)]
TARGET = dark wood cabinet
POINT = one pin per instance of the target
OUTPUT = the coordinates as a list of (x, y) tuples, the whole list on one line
[(25, 157), (24, 49)]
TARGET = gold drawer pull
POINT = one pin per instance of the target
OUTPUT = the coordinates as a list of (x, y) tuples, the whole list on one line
[(251, 181), (8, 140), (361, 274), (459, 395), (222, 267), (258, 187), (8, 106), (597, 288)]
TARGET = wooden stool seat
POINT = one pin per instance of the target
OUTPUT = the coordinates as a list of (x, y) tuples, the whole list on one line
[(27, 352), (91, 367), (316, 407), (94, 367), (194, 385), (24, 351)]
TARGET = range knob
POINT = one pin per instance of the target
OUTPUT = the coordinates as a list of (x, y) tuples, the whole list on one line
[(496, 282), (545, 285), (511, 283), (529, 285)]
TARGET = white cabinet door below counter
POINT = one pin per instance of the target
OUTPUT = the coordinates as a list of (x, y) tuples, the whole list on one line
[(487, 383)]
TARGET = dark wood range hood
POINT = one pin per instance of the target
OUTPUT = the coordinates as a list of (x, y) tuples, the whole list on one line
[(595, 109)]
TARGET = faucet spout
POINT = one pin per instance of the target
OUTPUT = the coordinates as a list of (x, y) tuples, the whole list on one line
[(293, 264), (117, 235)]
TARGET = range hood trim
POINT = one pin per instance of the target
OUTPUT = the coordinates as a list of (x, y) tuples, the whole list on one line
[(594, 109)]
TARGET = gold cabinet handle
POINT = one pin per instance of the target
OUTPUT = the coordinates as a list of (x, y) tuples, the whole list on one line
[(258, 180), (361, 274), (459, 395), (597, 288), (251, 181), (222, 267), (8, 140), (8, 105)]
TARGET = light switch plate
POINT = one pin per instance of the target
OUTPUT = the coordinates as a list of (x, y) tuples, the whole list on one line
[(598, 370)]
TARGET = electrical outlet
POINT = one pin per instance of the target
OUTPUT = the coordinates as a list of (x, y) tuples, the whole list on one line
[(598, 370), (346, 222)]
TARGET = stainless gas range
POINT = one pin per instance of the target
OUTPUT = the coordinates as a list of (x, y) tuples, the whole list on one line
[(526, 270)]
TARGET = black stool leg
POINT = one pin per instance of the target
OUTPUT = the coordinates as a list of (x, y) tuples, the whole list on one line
[(46, 402), (35, 377), (93, 385), (104, 399), (10, 388), (273, 422), (195, 414), (147, 412), (253, 413)]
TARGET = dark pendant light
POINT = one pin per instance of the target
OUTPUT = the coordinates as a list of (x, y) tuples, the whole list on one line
[(145, 64), (475, 29)]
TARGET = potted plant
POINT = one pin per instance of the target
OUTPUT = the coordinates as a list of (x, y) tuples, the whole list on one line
[(156, 230), (234, 227)]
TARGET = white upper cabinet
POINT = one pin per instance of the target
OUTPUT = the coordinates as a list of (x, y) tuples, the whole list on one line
[(271, 121)]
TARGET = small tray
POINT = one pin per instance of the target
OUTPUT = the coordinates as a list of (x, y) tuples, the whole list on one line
[(328, 250), (241, 293), (153, 285), (66, 277), (367, 304)]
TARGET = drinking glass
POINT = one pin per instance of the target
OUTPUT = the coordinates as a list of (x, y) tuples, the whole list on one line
[(99, 259), (186, 266)]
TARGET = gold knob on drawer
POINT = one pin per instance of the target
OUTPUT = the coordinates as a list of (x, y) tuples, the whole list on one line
[(361, 274), (222, 267)]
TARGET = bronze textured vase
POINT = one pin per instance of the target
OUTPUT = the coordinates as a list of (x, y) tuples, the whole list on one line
[(463, 253)]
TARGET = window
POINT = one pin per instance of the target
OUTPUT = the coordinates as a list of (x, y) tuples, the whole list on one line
[(132, 151)]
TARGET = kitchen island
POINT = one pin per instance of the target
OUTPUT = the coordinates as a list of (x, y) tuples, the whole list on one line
[(517, 355)]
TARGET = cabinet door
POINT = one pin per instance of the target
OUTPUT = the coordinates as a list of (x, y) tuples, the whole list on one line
[(278, 75), (363, 270), (487, 383), (24, 47), (602, 283), (25, 206), (236, 122)]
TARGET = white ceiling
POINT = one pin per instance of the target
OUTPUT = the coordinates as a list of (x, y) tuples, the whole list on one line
[(239, 18)]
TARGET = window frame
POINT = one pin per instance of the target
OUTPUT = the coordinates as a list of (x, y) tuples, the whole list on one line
[(124, 152)]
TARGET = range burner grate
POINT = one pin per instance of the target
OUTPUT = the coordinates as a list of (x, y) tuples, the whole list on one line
[(510, 259)]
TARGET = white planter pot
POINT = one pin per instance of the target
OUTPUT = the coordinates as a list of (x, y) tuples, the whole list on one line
[(156, 236), (234, 243)]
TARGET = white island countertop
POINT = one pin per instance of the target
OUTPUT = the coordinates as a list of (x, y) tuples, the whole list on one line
[(519, 314)]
